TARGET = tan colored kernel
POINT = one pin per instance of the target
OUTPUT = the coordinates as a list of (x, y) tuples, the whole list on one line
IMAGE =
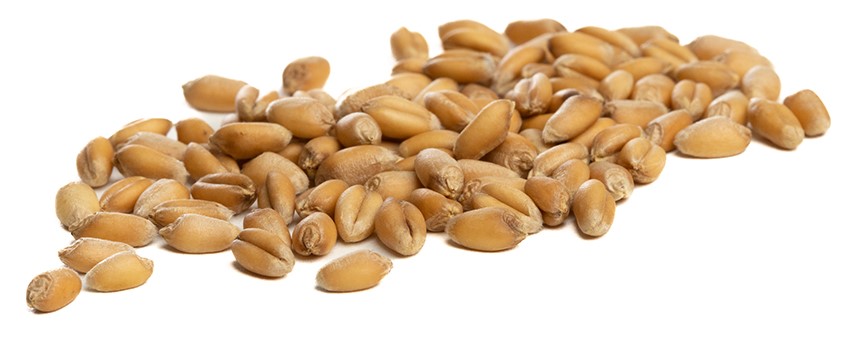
[(53, 290), (316, 151), (263, 252), (258, 168), (235, 191), (547, 161), (435, 208), (359, 270), (579, 43), (479, 94), (193, 130), (668, 51), (440, 139), (475, 186), (160, 191), (200, 162), (615, 38), (487, 229), (654, 88), (708, 47), (811, 112), (74, 202), (396, 184), (552, 198), (581, 64), (321, 198), (84, 253), (212, 93), (293, 150), (532, 95), (355, 100), (732, 104), (438, 84), (123, 195), (409, 65), (515, 200), (358, 128), (474, 169), (248, 140), (305, 74), (305, 117), (515, 152), (400, 226), (572, 174), (354, 214), (562, 95), (356, 164), (694, 97), (406, 44), (662, 130), (268, 220), (410, 83), (643, 66), (775, 122), (278, 194), (462, 66), (122, 271), (194, 233), (167, 146), (719, 77), (512, 65), (575, 116), (742, 61), (127, 228), (713, 137), (569, 79), (618, 84), (594, 208), (534, 136), (641, 34), (586, 137), (615, 178), (638, 113), (398, 117), (226, 160), (453, 109), (543, 68), (609, 141), (314, 235), (138, 160), (524, 30), (761, 82), (474, 37), (438, 171), (486, 131), (536, 122), (169, 211), (643, 159), (246, 105), (155, 125), (320, 95), (94, 162)]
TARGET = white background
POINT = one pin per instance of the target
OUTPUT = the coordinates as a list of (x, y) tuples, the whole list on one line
[(750, 245)]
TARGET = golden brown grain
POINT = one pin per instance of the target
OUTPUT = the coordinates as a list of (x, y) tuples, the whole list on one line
[(94, 162), (53, 290), (355, 271), (314, 235)]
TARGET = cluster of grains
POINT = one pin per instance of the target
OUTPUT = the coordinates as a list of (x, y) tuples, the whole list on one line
[(492, 140)]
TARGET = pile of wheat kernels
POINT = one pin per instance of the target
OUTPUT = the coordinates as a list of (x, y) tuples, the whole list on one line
[(492, 140)]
